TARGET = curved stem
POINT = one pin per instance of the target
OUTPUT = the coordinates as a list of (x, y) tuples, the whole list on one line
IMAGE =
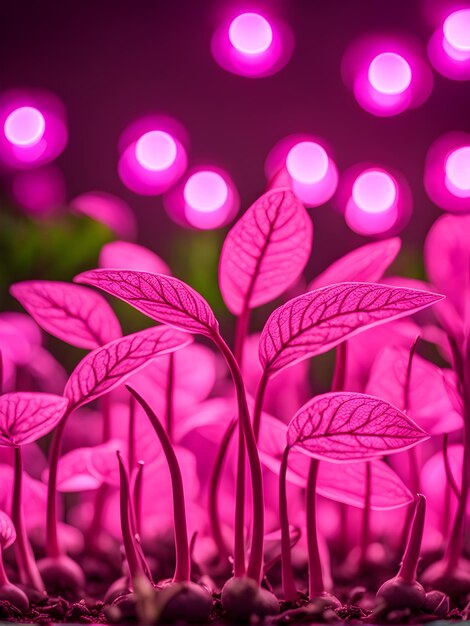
[(53, 548), (138, 497), (366, 519), (339, 374), (450, 477), (132, 555), (95, 529), (169, 395), (260, 391), (288, 582), (182, 570), (28, 570), (241, 332), (131, 434), (239, 565), (255, 564), (409, 565), (215, 479), (315, 575)]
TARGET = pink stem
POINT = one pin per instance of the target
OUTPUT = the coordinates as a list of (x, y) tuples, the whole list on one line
[(216, 475), (339, 375), (183, 564), (241, 332), (255, 564), (53, 548), (169, 395), (450, 477), (315, 575), (29, 573), (132, 555), (260, 392), (288, 582), (131, 434), (366, 520), (138, 497), (409, 565)]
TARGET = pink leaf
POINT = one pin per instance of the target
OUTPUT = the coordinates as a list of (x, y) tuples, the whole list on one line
[(351, 427), (366, 264), (74, 314), (73, 472), (7, 531), (26, 417), (447, 260), (266, 251), (105, 368), (429, 402), (319, 320), (345, 482), (161, 298), (131, 256)]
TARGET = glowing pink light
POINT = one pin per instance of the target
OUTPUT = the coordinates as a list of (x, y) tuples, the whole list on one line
[(153, 155), (250, 33), (156, 151), (456, 30), (205, 191), (33, 129), (24, 126), (374, 201), (206, 199), (389, 73), (447, 172), (374, 191), (303, 164), (307, 162), (252, 45), (457, 169)]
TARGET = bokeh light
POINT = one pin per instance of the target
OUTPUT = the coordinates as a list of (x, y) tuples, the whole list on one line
[(447, 172), (374, 191), (33, 130), (156, 151), (252, 44), (449, 46), (387, 74), (206, 199), (303, 163), (374, 200), (109, 210), (153, 155), (250, 33), (39, 192), (24, 126)]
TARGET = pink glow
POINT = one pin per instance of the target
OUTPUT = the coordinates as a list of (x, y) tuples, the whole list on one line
[(40, 192), (374, 191), (205, 191), (389, 73), (303, 163), (153, 155), (109, 210), (206, 199), (24, 126), (251, 44), (449, 46), (33, 129), (156, 151), (447, 172), (458, 172), (374, 200)]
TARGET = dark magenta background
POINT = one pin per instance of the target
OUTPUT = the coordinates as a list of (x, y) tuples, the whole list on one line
[(111, 62)]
